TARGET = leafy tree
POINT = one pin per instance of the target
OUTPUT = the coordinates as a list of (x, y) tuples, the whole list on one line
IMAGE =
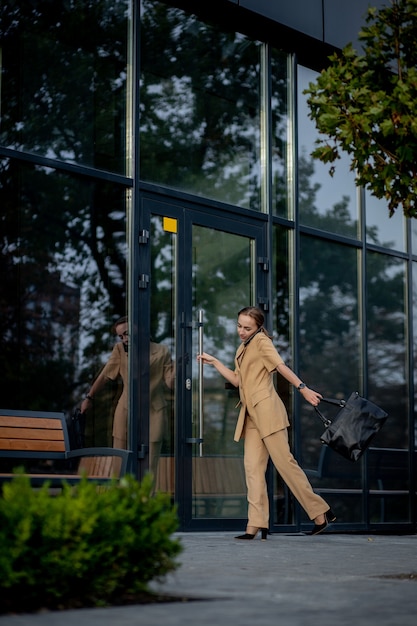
[(199, 106), (366, 105)]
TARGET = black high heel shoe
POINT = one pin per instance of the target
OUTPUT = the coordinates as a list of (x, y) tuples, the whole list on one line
[(248, 536), (329, 516)]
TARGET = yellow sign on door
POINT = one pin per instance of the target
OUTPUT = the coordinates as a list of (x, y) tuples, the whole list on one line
[(170, 224)]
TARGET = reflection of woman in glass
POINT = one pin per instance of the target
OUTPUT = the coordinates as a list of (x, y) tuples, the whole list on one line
[(263, 423), (161, 373)]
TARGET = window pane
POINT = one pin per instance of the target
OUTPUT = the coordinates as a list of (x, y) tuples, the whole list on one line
[(280, 329), (162, 419), (413, 223), (64, 72), (330, 362), (199, 111), (63, 266), (380, 228), (281, 135), (387, 379), (387, 354), (414, 313), (325, 202), (281, 305), (329, 329)]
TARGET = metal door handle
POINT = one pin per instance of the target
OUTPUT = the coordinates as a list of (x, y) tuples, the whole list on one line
[(200, 380)]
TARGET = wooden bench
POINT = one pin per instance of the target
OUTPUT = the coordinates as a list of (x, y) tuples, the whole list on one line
[(39, 442), (219, 486)]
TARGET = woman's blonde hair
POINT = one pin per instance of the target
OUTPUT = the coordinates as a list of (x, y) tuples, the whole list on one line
[(256, 314)]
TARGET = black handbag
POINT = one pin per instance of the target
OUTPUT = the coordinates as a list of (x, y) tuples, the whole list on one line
[(351, 431), (77, 430)]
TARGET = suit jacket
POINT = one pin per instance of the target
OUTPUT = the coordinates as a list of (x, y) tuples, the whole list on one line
[(255, 364), (160, 378)]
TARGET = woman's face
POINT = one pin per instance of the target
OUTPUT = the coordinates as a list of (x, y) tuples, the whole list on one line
[(122, 331), (246, 327)]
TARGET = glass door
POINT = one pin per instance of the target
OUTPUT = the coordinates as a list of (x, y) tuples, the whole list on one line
[(224, 281), (204, 270)]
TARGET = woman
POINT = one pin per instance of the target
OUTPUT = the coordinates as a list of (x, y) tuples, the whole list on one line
[(161, 378), (116, 366), (263, 424)]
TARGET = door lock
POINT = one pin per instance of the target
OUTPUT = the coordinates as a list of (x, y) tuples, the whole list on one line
[(188, 384)]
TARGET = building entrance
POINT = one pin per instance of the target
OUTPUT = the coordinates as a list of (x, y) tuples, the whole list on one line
[(204, 269)]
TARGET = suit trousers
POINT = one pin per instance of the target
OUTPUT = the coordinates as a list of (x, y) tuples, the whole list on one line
[(256, 454)]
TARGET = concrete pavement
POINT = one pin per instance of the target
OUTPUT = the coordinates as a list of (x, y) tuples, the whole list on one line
[(290, 579)]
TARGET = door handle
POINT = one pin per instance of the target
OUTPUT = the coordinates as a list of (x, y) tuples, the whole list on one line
[(200, 380), (142, 451)]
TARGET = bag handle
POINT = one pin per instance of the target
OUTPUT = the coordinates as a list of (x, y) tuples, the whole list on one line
[(340, 403), (326, 421)]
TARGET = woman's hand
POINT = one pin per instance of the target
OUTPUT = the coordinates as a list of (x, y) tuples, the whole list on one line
[(311, 396), (206, 358), (85, 405), (228, 374)]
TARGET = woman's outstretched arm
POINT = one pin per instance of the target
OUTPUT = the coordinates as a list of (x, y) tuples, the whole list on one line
[(311, 396), (227, 373)]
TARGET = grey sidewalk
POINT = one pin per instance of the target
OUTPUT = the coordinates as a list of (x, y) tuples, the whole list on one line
[(294, 580)]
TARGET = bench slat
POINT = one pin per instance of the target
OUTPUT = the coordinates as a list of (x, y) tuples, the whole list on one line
[(100, 466), (31, 433), (35, 445), (31, 422), (55, 480)]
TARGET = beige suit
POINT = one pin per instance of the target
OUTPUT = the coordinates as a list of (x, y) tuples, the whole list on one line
[(263, 423), (161, 373), (255, 363)]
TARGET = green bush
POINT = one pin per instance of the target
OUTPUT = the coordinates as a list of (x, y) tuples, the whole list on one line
[(86, 546)]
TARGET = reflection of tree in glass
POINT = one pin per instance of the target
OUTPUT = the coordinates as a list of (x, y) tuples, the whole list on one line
[(162, 276), (386, 328), (223, 265), (330, 316), (64, 77), (280, 322), (200, 99), (64, 256), (63, 239), (335, 219)]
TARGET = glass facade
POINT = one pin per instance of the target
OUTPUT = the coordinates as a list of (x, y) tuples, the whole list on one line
[(64, 222), (382, 230), (200, 107), (325, 202), (64, 81), (63, 260), (175, 213)]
